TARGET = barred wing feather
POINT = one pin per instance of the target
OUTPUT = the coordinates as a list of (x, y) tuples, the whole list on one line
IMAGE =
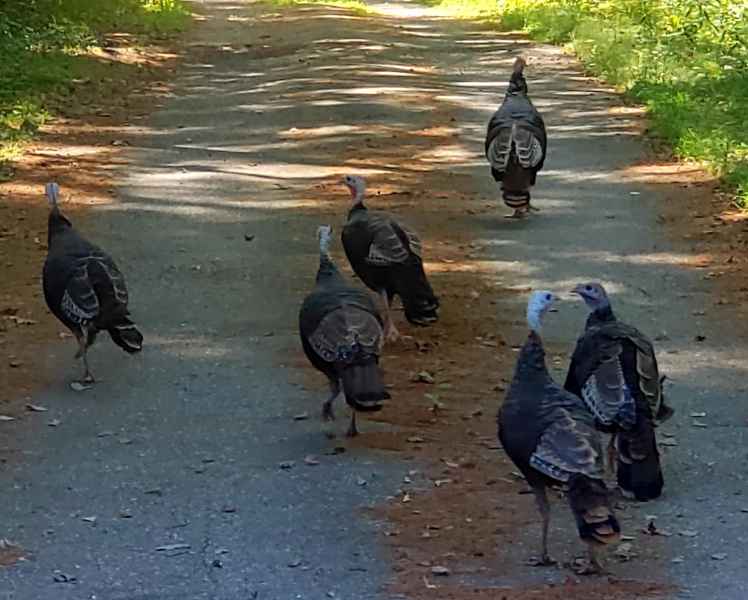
[(567, 447), (342, 330)]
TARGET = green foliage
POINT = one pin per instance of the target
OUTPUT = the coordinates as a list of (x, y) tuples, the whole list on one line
[(687, 60), (43, 45)]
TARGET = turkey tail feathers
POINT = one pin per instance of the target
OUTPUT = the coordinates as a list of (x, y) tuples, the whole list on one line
[(363, 386), (590, 503), (638, 471), (127, 336), (419, 301)]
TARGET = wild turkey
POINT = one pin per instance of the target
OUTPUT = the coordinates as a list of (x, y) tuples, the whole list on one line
[(386, 255), (516, 143), (550, 435), (341, 333), (84, 288), (614, 370)]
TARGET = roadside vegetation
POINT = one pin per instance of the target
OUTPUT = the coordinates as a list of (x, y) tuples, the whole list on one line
[(686, 60), (47, 49)]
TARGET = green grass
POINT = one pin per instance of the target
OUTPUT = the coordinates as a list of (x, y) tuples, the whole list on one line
[(686, 60), (44, 44)]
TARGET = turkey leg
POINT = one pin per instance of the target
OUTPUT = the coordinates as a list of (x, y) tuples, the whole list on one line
[(612, 454), (544, 508), (352, 430), (390, 332), (327, 412), (83, 353)]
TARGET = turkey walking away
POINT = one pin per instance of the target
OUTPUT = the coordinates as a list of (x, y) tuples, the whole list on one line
[(387, 256), (516, 144), (551, 437), (614, 370), (84, 288), (341, 333)]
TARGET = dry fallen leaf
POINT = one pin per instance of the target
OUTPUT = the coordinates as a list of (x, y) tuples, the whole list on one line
[(688, 533), (440, 571), (7, 418), (719, 556), (625, 552), (311, 461), (36, 408), (424, 377)]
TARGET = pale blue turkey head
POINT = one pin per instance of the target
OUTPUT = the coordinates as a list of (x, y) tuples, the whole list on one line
[(356, 185), (540, 303), (593, 294)]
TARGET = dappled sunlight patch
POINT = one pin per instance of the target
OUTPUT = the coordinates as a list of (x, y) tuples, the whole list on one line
[(667, 172), (191, 346)]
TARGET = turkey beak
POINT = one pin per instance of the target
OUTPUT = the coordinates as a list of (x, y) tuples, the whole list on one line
[(578, 291)]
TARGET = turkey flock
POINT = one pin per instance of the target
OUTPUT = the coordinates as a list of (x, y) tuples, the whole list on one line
[(552, 433)]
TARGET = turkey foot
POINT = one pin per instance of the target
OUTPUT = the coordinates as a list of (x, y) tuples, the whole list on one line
[(542, 561), (591, 566), (519, 213), (352, 429), (532, 208)]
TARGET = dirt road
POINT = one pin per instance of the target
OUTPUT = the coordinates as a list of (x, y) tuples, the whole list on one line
[(181, 448)]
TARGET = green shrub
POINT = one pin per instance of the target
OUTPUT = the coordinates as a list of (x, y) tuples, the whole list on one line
[(42, 44)]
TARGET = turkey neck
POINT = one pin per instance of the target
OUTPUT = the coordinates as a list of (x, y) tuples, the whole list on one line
[(599, 316), (56, 223), (531, 361), (358, 207), (517, 85), (327, 273)]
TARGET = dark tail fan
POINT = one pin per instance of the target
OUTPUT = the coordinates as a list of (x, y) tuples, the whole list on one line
[(516, 182), (419, 301), (638, 471), (590, 503), (127, 336), (363, 386)]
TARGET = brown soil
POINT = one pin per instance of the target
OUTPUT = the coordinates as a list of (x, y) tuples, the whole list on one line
[(703, 217)]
